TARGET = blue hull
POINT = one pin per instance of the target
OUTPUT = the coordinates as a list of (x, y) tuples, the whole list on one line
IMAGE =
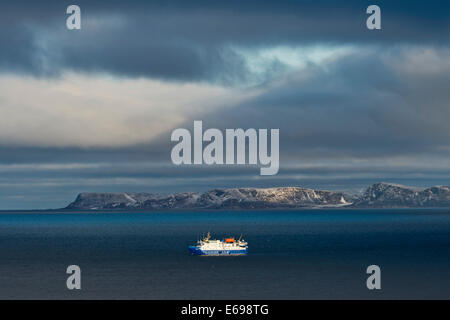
[(196, 251)]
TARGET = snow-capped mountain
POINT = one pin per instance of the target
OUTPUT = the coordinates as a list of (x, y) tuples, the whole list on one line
[(382, 195), (379, 195), (242, 198)]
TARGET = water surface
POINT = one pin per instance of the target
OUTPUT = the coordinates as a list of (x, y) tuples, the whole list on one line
[(307, 254)]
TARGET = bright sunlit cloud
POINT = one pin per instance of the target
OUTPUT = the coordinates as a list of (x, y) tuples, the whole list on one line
[(99, 110)]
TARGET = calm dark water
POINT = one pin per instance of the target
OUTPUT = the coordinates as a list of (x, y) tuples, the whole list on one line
[(293, 255)]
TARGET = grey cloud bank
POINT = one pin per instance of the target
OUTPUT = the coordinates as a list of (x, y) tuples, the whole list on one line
[(195, 41)]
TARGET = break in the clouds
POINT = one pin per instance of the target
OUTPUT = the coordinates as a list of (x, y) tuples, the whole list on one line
[(93, 109)]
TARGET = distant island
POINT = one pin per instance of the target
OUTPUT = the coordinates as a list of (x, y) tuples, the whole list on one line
[(379, 195)]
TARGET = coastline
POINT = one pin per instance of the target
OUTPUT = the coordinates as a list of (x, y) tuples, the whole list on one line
[(221, 210)]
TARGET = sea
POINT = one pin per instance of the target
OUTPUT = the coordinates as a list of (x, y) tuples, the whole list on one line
[(293, 254)]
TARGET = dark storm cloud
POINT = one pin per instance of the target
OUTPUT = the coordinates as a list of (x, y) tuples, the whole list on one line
[(193, 40)]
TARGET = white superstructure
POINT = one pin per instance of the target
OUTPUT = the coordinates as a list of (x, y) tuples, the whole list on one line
[(228, 246)]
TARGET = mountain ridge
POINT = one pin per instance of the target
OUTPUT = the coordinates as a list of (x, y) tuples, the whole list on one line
[(378, 195), (389, 195)]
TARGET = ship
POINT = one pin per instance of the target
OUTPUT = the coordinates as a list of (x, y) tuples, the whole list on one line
[(225, 247)]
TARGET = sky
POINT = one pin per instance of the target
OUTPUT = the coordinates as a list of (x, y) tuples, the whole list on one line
[(92, 110)]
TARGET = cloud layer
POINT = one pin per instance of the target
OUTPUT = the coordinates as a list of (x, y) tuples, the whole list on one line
[(196, 40)]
